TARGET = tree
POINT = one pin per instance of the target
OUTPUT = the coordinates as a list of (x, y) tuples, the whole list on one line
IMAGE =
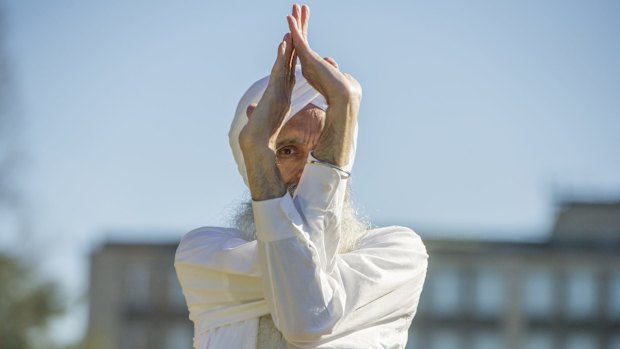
[(26, 306)]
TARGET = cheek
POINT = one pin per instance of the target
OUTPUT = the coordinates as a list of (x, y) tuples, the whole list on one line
[(290, 168)]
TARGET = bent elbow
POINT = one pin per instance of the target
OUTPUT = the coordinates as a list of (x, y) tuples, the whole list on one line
[(416, 246)]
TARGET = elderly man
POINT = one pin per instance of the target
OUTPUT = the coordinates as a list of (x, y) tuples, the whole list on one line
[(300, 270)]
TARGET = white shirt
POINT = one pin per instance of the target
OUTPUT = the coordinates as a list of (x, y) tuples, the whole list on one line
[(317, 297)]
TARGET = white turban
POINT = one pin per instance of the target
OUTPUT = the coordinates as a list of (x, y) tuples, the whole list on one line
[(303, 94)]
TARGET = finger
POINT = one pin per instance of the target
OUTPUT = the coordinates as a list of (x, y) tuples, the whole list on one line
[(293, 59), (287, 64), (289, 50), (297, 15), (277, 65), (299, 24), (287, 41), (298, 39), (305, 17), (332, 62), (291, 77), (282, 48)]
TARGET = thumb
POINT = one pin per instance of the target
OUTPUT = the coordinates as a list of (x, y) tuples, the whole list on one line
[(331, 61)]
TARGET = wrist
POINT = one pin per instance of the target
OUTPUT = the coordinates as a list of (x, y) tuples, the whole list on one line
[(344, 97), (258, 155), (341, 169), (263, 176), (336, 141), (336, 157), (276, 99)]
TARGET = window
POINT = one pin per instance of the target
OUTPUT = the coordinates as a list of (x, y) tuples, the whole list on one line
[(614, 296), (488, 340), (489, 293), (581, 341), (538, 293), (614, 342), (138, 283), (179, 336), (539, 340), (134, 336), (581, 294), (446, 339), (445, 292)]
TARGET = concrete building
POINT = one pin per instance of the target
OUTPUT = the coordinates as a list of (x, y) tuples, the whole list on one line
[(136, 300), (563, 293)]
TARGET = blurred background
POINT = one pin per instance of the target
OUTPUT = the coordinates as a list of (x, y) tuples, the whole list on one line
[(491, 128)]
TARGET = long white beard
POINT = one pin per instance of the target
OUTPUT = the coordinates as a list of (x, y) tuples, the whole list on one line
[(352, 227)]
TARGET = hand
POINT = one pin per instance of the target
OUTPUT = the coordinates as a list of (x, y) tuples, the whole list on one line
[(265, 119), (257, 139), (322, 74), (342, 92)]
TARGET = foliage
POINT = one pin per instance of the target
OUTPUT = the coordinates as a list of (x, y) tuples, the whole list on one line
[(26, 306)]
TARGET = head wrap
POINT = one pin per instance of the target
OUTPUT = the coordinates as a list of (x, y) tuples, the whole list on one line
[(303, 94)]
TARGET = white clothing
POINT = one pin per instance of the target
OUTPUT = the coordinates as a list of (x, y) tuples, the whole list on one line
[(317, 297)]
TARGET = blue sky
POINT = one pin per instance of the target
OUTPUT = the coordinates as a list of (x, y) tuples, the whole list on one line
[(477, 116)]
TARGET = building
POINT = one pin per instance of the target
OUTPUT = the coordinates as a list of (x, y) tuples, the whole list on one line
[(563, 293), (136, 300)]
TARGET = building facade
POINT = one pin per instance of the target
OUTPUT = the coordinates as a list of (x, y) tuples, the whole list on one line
[(136, 300), (563, 293)]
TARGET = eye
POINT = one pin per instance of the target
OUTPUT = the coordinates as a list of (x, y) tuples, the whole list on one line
[(287, 151)]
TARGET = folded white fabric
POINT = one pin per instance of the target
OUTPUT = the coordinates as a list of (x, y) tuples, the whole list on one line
[(303, 94)]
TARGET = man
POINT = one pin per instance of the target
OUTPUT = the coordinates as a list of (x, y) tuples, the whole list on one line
[(300, 271)]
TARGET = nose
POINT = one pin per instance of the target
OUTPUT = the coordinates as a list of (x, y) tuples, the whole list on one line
[(297, 171), (298, 174)]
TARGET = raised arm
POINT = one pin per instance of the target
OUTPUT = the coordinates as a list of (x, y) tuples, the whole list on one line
[(257, 139), (342, 92), (298, 237)]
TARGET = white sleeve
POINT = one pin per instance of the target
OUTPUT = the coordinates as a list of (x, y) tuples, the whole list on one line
[(311, 290), (216, 268), (297, 244)]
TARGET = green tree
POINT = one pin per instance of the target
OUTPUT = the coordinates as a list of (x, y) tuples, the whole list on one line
[(26, 306)]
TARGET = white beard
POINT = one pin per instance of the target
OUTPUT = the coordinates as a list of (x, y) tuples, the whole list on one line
[(352, 227)]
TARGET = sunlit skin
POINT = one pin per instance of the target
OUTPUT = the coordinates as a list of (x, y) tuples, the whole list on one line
[(275, 155), (295, 140)]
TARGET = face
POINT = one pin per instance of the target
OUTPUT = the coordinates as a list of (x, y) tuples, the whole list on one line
[(297, 138)]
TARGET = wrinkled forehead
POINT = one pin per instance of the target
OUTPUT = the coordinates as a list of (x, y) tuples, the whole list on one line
[(305, 127), (310, 115)]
